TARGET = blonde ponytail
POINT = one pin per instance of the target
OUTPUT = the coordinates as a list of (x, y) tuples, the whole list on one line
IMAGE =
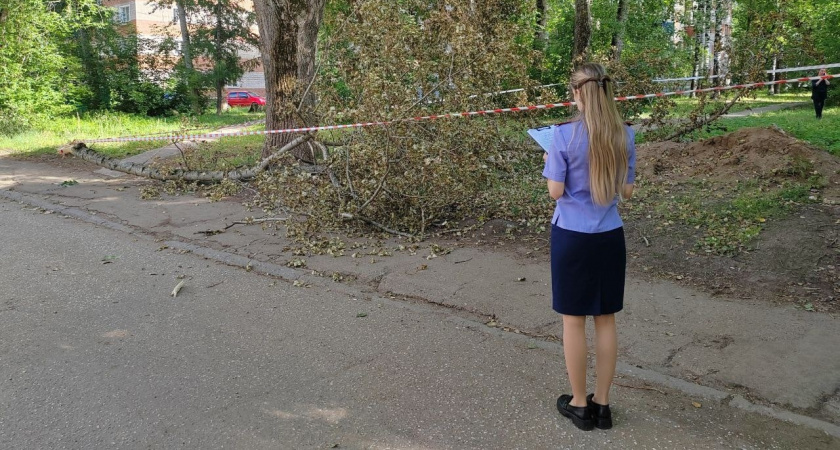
[(608, 155)]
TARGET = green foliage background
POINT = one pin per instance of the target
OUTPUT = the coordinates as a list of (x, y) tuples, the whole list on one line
[(392, 59), (33, 70)]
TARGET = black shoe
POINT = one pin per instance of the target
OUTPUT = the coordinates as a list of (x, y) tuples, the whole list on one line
[(601, 415), (579, 415)]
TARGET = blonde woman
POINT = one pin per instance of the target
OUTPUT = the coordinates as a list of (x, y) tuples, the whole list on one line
[(589, 165)]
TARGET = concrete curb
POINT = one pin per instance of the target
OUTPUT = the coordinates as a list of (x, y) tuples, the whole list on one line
[(798, 419), (649, 376)]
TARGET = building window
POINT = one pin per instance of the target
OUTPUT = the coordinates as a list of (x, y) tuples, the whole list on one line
[(123, 13), (175, 14)]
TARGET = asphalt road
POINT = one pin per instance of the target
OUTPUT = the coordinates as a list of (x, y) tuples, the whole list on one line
[(96, 353)]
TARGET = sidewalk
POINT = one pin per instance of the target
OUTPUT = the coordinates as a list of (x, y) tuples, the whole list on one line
[(764, 109)]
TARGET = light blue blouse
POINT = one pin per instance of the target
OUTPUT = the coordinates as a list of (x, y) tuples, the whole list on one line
[(568, 162)]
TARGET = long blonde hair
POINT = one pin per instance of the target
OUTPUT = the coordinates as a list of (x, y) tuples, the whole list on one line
[(608, 155)]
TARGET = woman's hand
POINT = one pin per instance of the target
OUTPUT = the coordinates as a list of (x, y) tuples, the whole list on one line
[(627, 192), (545, 156)]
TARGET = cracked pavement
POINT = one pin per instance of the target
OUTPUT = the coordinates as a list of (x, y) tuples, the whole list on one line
[(751, 351)]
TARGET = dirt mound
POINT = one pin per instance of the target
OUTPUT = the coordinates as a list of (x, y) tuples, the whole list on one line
[(750, 214), (749, 153)]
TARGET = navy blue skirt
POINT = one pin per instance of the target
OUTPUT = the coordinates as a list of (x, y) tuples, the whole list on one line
[(587, 271)]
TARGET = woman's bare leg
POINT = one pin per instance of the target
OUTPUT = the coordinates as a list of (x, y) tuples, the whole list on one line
[(606, 353), (574, 348)]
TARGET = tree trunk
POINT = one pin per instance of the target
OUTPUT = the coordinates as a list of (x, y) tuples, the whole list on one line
[(617, 44), (583, 32), (186, 56), (717, 46), (541, 35), (220, 90), (217, 56), (288, 38), (695, 38), (695, 83), (186, 52), (711, 23), (309, 23)]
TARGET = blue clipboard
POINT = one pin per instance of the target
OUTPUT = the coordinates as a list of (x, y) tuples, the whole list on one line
[(543, 135)]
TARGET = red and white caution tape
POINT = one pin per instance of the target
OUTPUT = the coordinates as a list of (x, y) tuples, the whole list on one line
[(725, 88), (770, 71), (186, 137)]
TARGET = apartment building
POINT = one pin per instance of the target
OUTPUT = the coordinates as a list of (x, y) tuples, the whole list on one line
[(153, 23)]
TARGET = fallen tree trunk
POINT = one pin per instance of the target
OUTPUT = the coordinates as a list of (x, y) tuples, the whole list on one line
[(701, 123), (80, 150)]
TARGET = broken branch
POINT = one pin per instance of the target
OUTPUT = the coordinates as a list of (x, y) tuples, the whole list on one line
[(82, 151), (349, 216), (696, 125)]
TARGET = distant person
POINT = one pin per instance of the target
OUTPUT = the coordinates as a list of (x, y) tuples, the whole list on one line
[(819, 92), (590, 164)]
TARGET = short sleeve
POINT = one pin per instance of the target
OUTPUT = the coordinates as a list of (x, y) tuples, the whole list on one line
[(556, 164), (631, 156)]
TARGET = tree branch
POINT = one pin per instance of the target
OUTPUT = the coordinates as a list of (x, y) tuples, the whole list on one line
[(183, 156), (82, 151), (308, 87), (347, 174), (696, 125), (376, 224), (378, 188)]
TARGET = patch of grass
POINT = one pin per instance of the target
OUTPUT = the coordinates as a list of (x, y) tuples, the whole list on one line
[(728, 221), (61, 130), (794, 193), (225, 153)]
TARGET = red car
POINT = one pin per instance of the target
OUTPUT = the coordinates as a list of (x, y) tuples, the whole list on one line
[(245, 98)]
